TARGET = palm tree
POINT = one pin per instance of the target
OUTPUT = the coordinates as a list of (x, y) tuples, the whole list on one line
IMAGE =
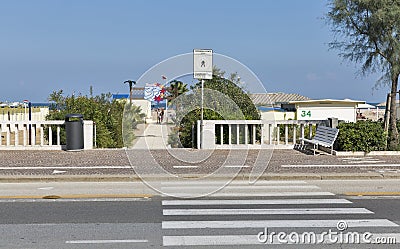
[(175, 89), (131, 83), (133, 116)]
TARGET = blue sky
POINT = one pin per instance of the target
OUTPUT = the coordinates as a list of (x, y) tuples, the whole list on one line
[(47, 45)]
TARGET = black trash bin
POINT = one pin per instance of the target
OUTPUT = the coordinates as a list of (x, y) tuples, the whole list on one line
[(74, 131)]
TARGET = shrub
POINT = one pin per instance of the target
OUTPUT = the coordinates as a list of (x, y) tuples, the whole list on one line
[(361, 136), (106, 113)]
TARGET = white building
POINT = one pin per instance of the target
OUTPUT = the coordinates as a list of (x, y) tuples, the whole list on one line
[(138, 100), (322, 109), (277, 115)]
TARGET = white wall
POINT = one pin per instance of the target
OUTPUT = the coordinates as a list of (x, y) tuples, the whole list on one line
[(145, 106), (271, 116), (346, 113), (88, 135)]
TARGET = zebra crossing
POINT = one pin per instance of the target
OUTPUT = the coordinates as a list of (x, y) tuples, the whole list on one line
[(237, 214)]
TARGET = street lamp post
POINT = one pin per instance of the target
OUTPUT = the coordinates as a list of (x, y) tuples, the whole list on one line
[(131, 83)]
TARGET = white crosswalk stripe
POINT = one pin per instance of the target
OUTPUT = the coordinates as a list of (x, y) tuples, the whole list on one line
[(243, 193), (274, 223), (231, 240), (268, 211), (254, 202), (240, 206)]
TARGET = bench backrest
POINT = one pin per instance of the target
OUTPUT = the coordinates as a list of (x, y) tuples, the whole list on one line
[(326, 134)]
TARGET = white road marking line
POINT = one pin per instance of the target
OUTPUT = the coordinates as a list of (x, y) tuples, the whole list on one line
[(46, 188), (67, 167), (237, 166), (234, 182), (286, 211), (361, 162), (185, 166), (104, 241), (74, 200), (56, 171), (211, 240), (275, 224), (255, 202), (251, 194), (244, 188), (356, 158), (338, 165)]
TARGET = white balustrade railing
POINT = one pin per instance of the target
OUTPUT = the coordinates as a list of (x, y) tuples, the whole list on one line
[(219, 134), (222, 134), (38, 135)]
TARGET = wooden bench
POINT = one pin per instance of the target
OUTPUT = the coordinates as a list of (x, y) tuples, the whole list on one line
[(324, 136)]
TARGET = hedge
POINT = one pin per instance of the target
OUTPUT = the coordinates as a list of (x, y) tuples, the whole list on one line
[(361, 136)]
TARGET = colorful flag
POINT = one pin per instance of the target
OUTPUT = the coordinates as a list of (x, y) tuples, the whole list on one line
[(154, 92)]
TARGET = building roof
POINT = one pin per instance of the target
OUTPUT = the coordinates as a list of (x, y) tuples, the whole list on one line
[(275, 98), (365, 106), (326, 101)]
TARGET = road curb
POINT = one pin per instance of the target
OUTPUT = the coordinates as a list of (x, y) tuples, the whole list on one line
[(77, 196), (130, 178), (70, 178)]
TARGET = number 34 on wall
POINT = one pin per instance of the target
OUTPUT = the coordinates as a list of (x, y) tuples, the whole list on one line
[(306, 114)]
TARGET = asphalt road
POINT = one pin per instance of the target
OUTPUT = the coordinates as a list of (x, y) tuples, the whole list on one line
[(233, 217), (81, 224), (138, 223)]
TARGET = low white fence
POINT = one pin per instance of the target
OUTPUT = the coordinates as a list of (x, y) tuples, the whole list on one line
[(38, 113), (41, 135), (224, 134), (219, 134)]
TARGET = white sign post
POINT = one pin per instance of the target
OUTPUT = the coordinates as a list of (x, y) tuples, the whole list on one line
[(202, 69)]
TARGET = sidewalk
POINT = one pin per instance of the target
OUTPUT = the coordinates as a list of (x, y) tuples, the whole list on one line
[(155, 136), (116, 165), (159, 161)]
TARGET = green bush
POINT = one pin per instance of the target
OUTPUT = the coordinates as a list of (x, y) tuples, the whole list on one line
[(361, 136), (106, 113)]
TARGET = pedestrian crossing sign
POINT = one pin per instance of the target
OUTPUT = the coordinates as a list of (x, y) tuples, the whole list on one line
[(202, 63)]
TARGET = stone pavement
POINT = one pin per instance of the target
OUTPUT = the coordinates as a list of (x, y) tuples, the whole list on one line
[(119, 163), (155, 136)]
